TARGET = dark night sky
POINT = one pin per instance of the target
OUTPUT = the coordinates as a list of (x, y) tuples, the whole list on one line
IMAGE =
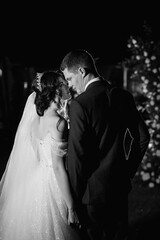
[(41, 40)]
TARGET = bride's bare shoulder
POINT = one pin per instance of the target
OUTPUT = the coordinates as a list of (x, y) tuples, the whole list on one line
[(59, 127)]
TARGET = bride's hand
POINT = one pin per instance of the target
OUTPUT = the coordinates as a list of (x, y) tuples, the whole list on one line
[(73, 218)]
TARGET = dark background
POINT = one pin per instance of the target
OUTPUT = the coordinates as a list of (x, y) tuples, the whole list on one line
[(40, 35)]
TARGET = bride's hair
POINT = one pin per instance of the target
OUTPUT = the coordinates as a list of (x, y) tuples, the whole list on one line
[(49, 88)]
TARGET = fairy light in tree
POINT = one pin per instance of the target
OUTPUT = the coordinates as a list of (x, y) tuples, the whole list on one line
[(144, 65)]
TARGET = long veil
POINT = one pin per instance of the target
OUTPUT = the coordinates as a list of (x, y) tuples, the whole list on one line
[(20, 166)]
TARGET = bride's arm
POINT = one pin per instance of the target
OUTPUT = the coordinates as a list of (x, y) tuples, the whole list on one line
[(63, 181)]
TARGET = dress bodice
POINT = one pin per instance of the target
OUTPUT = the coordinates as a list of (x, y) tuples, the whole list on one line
[(49, 147)]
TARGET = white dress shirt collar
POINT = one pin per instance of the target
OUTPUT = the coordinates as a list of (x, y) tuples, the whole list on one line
[(91, 81)]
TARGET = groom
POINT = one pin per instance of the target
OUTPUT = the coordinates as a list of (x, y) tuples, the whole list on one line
[(98, 170)]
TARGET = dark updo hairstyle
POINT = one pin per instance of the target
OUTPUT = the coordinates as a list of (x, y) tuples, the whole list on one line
[(47, 87)]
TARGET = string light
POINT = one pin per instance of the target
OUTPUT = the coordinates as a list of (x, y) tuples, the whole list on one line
[(144, 65)]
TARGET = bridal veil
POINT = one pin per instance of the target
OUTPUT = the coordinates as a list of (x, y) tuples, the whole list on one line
[(20, 166)]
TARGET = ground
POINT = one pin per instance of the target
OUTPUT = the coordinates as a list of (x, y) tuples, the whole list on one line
[(144, 212)]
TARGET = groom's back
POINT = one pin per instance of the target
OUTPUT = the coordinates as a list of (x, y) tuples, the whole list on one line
[(106, 111)]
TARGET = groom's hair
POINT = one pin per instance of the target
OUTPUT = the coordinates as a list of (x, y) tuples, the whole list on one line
[(78, 58)]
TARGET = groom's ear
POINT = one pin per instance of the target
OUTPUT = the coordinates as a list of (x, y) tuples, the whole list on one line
[(82, 71)]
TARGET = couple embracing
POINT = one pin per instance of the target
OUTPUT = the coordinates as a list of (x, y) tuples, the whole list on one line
[(72, 183)]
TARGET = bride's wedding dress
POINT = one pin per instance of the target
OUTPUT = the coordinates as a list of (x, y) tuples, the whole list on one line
[(31, 203)]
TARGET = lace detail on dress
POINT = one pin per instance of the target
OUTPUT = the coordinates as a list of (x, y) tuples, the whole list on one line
[(59, 147), (49, 146)]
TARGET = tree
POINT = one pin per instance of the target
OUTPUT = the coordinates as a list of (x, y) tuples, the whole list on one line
[(144, 68)]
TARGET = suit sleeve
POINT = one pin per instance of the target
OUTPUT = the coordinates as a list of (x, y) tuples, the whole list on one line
[(76, 149), (140, 137)]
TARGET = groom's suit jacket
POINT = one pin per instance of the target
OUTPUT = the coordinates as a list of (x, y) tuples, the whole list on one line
[(96, 163)]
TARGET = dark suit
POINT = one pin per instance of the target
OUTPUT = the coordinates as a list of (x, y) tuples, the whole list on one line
[(98, 169)]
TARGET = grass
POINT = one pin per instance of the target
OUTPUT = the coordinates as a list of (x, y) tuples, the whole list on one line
[(144, 212)]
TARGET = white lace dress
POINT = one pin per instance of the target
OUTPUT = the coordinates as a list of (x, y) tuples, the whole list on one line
[(34, 209)]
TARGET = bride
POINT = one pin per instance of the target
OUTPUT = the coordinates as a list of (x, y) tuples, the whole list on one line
[(35, 195)]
